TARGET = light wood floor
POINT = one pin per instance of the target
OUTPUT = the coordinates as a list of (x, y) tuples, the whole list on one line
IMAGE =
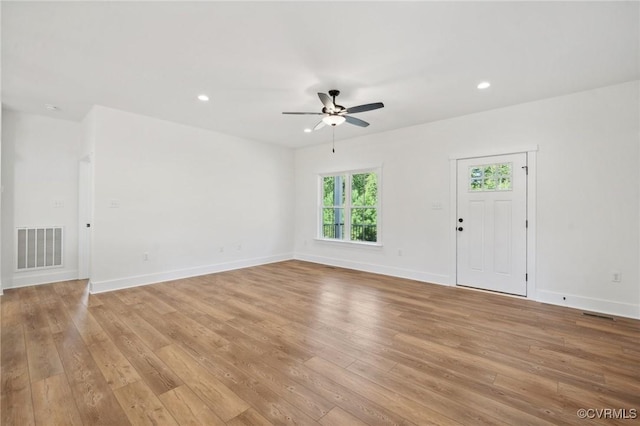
[(298, 343)]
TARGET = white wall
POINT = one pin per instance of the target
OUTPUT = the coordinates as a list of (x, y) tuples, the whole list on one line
[(587, 194), (39, 166), (184, 194), (195, 201)]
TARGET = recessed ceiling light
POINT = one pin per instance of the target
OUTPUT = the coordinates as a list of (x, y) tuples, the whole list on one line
[(51, 107), (484, 85), (307, 130), (203, 98)]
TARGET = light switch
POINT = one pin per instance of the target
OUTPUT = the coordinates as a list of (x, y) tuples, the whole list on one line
[(114, 204)]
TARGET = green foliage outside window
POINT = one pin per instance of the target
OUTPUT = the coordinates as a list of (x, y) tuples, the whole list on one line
[(363, 210), (491, 177)]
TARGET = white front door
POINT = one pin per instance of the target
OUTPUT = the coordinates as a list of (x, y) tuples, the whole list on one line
[(491, 223)]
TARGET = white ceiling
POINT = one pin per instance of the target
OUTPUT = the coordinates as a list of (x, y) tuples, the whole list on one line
[(257, 59)]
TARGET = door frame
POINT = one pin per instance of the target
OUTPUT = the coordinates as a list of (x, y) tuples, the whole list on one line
[(531, 152), (85, 213)]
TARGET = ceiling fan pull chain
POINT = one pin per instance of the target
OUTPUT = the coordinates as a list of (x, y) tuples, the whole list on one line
[(334, 139)]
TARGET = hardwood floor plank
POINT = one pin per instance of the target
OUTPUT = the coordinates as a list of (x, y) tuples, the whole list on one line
[(57, 316), (51, 398), (434, 397), (33, 318), (341, 396), (151, 337), (249, 390), (95, 401), (188, 409), (338, 416), (154, 372), (16, 403), (42, 355), (314, 405), (11, 308), (115, 367), (141, 405), (216, 395), (249, 417), (306, 344), (413, 411), (84, 322)]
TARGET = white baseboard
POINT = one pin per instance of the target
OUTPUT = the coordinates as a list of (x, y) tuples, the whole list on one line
[(28, 279), (627, 310), (376, 269), (139, 280)]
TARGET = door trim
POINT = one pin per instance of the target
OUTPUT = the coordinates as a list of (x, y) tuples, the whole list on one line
[(85, 215), (531, 152)]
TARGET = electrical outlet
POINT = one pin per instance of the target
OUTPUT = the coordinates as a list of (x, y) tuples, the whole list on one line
[(399, 252), (616, 277), (145, 256)]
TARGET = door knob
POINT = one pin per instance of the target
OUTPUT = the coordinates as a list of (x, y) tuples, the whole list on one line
[(460, 228), (460, 220)]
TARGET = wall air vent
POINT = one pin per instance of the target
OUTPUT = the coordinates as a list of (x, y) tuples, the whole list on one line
[(39, 247), (601, 316)]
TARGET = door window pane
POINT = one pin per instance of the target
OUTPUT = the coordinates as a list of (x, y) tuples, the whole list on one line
[(491, 177)]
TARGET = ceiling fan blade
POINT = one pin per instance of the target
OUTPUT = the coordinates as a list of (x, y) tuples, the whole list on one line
[(320, 125), (356, 121), (363, 108), (327, 102), (303, 113)]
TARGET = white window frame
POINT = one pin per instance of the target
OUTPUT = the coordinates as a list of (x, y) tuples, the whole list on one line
[(348, 207)]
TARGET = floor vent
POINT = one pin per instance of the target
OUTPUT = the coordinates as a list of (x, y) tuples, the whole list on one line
[(590, 314), (39, 248)]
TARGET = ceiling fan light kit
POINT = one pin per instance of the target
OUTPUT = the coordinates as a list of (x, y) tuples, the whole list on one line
[(334, 120)]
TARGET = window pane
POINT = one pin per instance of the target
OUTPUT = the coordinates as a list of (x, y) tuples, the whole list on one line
[(504, 184), (475, 172), (490, 171), (475, 185), (504, 169), (490, 184), (333, 188), (364, 189), (328, 183), (364, 224), (333, 223)]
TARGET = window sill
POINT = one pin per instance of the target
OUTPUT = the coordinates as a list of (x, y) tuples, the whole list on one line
[(352, 243)]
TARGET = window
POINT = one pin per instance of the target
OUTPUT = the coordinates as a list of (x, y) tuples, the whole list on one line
[(490, 177), (349, 208)]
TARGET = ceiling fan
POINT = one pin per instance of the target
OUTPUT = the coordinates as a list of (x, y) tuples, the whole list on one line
[(335, 114)]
